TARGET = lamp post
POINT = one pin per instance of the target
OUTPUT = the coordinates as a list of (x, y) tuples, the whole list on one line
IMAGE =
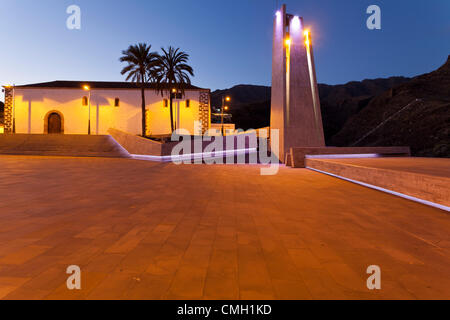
[(14, 108), (173, 96), (224, 107), (87, 88)]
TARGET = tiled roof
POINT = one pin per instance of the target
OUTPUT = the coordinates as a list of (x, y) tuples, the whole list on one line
[(95, 85)]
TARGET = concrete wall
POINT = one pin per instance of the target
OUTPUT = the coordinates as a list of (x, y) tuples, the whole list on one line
[(278, 102), (296, 156), (135, 144), (427, 187), (33, 104), (229, 129)]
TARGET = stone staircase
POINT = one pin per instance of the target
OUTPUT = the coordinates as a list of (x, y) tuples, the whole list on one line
[(61, 145)]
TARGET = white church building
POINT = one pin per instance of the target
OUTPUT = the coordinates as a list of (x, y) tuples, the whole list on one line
[(67, 107)]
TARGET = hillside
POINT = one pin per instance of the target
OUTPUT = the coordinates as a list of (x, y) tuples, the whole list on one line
[(424, 125), (242, 95), (340, 102), (250, 105)]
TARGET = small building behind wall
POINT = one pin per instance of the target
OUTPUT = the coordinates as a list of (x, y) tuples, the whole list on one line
[(63, 107)]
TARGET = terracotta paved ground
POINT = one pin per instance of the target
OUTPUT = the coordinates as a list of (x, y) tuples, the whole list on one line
[(149, 230)]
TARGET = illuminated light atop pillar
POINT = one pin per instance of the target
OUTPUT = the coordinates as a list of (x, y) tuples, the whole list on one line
[(307, 38), (287, 42), (278, 18), (296, 25)]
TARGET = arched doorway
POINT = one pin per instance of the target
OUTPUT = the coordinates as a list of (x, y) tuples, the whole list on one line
[(54, 123)]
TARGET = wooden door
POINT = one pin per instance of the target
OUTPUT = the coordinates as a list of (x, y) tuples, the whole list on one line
[(54, 124)]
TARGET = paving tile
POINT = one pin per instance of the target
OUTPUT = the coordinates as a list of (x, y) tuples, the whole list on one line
[(149, 287), (220, 288), (112, 286), (129, 241), (9, 284), (210, 232), (23, 255), (291, 290), (188, 283)]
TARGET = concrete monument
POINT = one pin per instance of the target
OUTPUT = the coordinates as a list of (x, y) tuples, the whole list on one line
[(295, 105)]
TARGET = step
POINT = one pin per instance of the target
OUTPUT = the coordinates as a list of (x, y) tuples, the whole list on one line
[(61, 145), (426, 179)]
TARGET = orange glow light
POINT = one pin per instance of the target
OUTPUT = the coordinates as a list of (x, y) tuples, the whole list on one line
[(228, 99), (288, 42), (86, 88), (307, 36)]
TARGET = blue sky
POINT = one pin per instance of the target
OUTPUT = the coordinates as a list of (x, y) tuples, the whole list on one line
[(229, 41)]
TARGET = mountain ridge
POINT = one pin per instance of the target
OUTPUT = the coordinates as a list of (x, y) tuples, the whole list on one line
[(352, 110)]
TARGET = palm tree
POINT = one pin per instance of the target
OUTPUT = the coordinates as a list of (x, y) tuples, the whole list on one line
[(140, 60), (172, 74)]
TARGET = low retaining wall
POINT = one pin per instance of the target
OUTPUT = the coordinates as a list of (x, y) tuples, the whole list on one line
[(422, 186), (136, 145), (296, 157)]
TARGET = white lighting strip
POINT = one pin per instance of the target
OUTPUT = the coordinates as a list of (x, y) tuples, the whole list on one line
[(344, 156), (398, 194), (205, 155)]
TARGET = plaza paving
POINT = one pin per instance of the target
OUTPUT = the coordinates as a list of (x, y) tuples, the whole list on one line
[(143, 230)]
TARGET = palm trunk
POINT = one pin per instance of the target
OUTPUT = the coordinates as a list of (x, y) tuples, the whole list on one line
[(144, 131), (171, 113)]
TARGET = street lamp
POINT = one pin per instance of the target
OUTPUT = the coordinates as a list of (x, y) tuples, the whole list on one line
[(224, 107), (87, 88)]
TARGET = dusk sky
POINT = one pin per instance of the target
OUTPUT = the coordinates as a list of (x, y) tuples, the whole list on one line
[(229, 42)]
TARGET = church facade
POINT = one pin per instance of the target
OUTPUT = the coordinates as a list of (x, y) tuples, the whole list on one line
[(71, 107)]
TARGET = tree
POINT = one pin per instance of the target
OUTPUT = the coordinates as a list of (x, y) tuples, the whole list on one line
[(172, 75), (140, 61)]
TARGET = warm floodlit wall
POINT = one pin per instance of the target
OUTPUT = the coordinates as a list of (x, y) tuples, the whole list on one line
[(33, 104)]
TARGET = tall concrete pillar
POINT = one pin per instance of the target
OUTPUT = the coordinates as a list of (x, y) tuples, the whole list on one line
[(295, 105)]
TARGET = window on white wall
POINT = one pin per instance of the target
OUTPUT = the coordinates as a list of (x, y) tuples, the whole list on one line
[(116, 102), (188, 103), (84, 101), (165, 103)]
